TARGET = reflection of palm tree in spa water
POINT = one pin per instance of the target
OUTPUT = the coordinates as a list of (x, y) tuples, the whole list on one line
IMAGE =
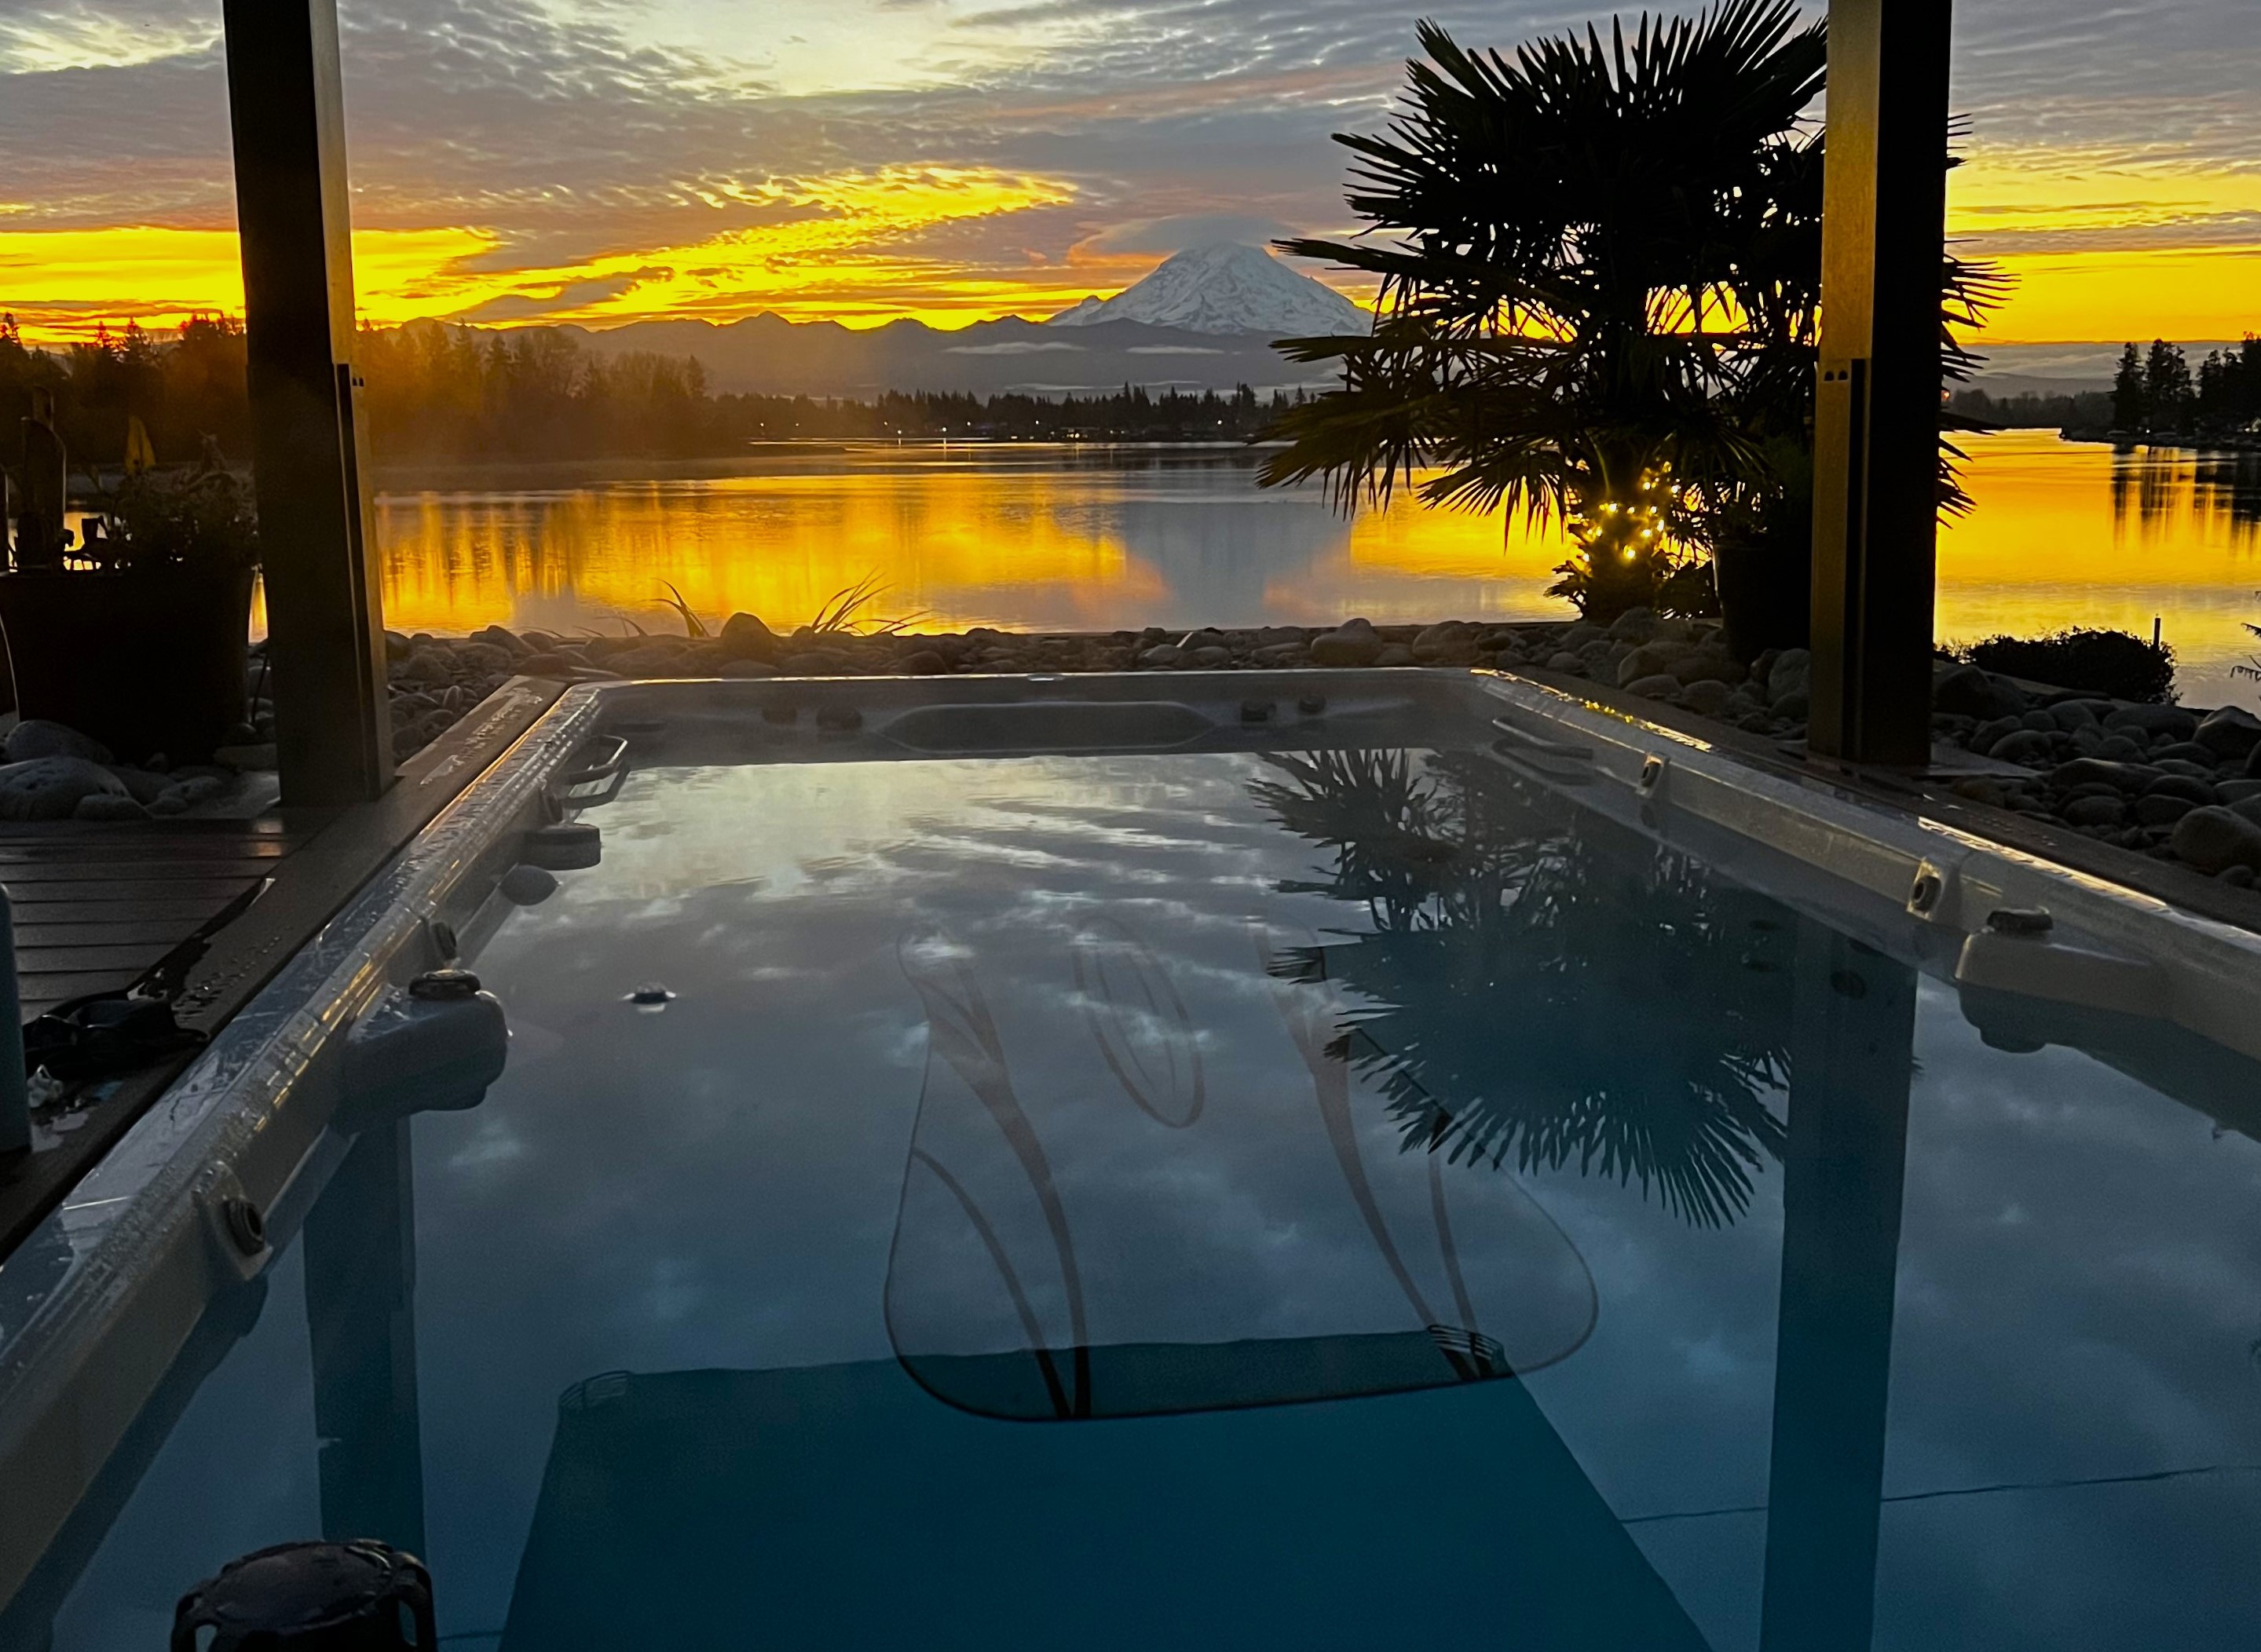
[(1532, 989), (961, 1030)]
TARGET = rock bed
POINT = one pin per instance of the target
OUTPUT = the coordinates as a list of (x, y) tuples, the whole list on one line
[(55, 773), (2165, 781), (2162, 780)]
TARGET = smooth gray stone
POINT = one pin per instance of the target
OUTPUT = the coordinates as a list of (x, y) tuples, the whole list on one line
[(31, 741), (51, 788)]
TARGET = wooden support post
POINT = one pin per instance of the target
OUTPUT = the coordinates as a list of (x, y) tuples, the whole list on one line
[(1852, 1058), (325, 627), (361, 1321), (1875, 487)]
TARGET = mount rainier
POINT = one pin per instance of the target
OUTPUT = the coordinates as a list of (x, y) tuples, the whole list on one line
[(1225, 287)]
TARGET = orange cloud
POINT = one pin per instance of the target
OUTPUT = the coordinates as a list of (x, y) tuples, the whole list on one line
[(841, 247), (2198, 292), (2104, 244), (2099, 251)]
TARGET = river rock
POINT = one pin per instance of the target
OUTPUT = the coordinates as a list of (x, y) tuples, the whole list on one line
[(1215, 656), (143, 785), (2084, 771), (1163, 656), (1982, 789), (2161, 809), (2230, 733), (763, 668), (1650, 659), (485, 659), (1967, 691), (2186, 786), (52, 788), (2028, 746), (430, 665), (2212, 838), (2094, 812), (38, 738), (185, 793), (2153, 720), (106, 805), (747, 638), (1655, 686), (1394, 653), (1707, 697), (653, 660), (1634, 625), (1352, 643), (2187, 751), (1792, 673), (1707, 665), (1452, 642)]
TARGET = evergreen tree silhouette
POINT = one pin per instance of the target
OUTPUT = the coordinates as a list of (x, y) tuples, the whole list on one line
[(2166, 387), (2127, 391)]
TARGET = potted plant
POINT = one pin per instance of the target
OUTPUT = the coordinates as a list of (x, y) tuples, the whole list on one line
[(138, 634)]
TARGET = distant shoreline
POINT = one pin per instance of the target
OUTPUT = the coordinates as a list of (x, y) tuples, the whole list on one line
[(2185, 443), (422, 476)]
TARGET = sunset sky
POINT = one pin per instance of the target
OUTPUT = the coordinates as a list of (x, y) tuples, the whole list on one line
[(604, 160)]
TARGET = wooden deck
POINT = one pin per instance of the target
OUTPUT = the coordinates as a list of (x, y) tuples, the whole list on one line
[(97, 905)]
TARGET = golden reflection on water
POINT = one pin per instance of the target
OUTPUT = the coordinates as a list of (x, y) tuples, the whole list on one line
[(2063, 533)]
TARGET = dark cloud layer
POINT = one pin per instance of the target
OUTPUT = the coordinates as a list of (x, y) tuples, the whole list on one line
[(575, 130)]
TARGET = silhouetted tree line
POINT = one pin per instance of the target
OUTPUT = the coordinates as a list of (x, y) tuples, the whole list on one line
[(2156, 393), (1130, 414), (183, 390), (454, 393), (2028, 411)]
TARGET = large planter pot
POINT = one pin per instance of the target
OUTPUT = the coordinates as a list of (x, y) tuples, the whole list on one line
[(146, 661), (1766, 593)]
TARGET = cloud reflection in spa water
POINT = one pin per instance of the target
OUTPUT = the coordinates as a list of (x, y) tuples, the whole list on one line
[(2073, 1292)]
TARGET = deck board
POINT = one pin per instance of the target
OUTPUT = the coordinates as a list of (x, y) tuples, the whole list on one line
[(94, 910), (96, 904)]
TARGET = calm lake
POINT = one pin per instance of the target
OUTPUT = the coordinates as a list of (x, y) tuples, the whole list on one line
[(1061, 538)]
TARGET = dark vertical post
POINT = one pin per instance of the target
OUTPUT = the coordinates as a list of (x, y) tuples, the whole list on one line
[(1875, 440), (1852, 1055), (361, 1318), (326, 632)]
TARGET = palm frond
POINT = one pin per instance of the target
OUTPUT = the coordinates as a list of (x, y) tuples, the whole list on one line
[(1599, 261)]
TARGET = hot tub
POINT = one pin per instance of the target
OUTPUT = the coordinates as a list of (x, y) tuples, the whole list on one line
[(1256, 1159)]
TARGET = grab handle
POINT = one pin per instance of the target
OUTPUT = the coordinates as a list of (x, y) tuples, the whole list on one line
[(15, 1084), (602, 762)]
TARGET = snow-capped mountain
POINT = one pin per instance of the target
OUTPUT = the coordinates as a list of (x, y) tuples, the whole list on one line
[(1226, 286)]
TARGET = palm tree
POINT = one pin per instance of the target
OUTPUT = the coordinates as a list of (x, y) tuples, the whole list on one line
[(1600, 269), (1508, 996)]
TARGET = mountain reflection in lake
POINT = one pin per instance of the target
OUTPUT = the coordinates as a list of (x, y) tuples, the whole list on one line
[(1083, 539)]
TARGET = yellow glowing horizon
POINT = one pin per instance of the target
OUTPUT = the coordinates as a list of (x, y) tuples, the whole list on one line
[(852, 248)]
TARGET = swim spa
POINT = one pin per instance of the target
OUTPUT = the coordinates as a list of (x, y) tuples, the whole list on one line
[(1280, 1159)]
